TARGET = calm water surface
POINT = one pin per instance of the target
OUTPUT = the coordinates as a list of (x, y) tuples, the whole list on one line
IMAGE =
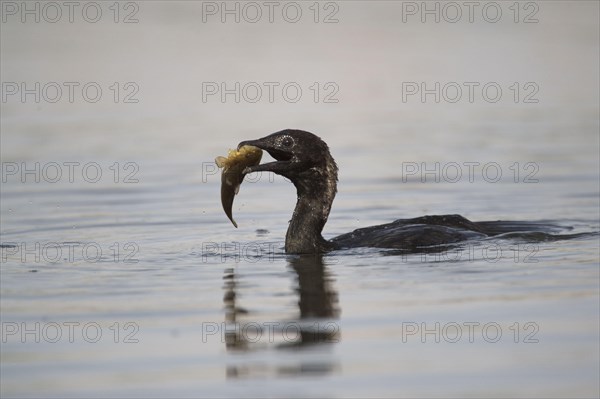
[(138, 285)]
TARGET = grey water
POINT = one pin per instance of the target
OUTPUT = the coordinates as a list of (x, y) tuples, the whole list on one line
[(121, 276)]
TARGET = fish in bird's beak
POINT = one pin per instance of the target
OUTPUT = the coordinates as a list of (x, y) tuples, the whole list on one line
[(292, 159), (233, 173)]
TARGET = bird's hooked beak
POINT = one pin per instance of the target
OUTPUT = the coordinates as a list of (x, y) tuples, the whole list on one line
[(283, 158), (256, 143)]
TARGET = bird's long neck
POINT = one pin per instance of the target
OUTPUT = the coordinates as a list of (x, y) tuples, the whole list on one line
[(316, 189)]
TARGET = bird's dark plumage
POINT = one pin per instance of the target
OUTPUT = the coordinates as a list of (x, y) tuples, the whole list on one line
[(304, 158)]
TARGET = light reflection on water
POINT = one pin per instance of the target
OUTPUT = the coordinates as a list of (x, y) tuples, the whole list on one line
[(154, 293)]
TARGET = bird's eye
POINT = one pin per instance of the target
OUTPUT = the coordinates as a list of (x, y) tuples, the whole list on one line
[(287, 141)]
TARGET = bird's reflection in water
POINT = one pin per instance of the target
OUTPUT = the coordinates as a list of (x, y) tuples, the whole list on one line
[(315, 323)]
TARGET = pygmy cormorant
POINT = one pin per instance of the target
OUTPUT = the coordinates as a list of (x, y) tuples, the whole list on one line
[(305, 160)]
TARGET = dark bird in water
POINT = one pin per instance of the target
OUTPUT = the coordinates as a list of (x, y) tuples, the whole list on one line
[(305, 160)]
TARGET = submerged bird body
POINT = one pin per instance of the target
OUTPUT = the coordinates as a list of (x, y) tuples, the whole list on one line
[(304, 158)]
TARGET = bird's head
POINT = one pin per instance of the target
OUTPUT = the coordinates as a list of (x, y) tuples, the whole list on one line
[(303, 158), (297, 154)]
